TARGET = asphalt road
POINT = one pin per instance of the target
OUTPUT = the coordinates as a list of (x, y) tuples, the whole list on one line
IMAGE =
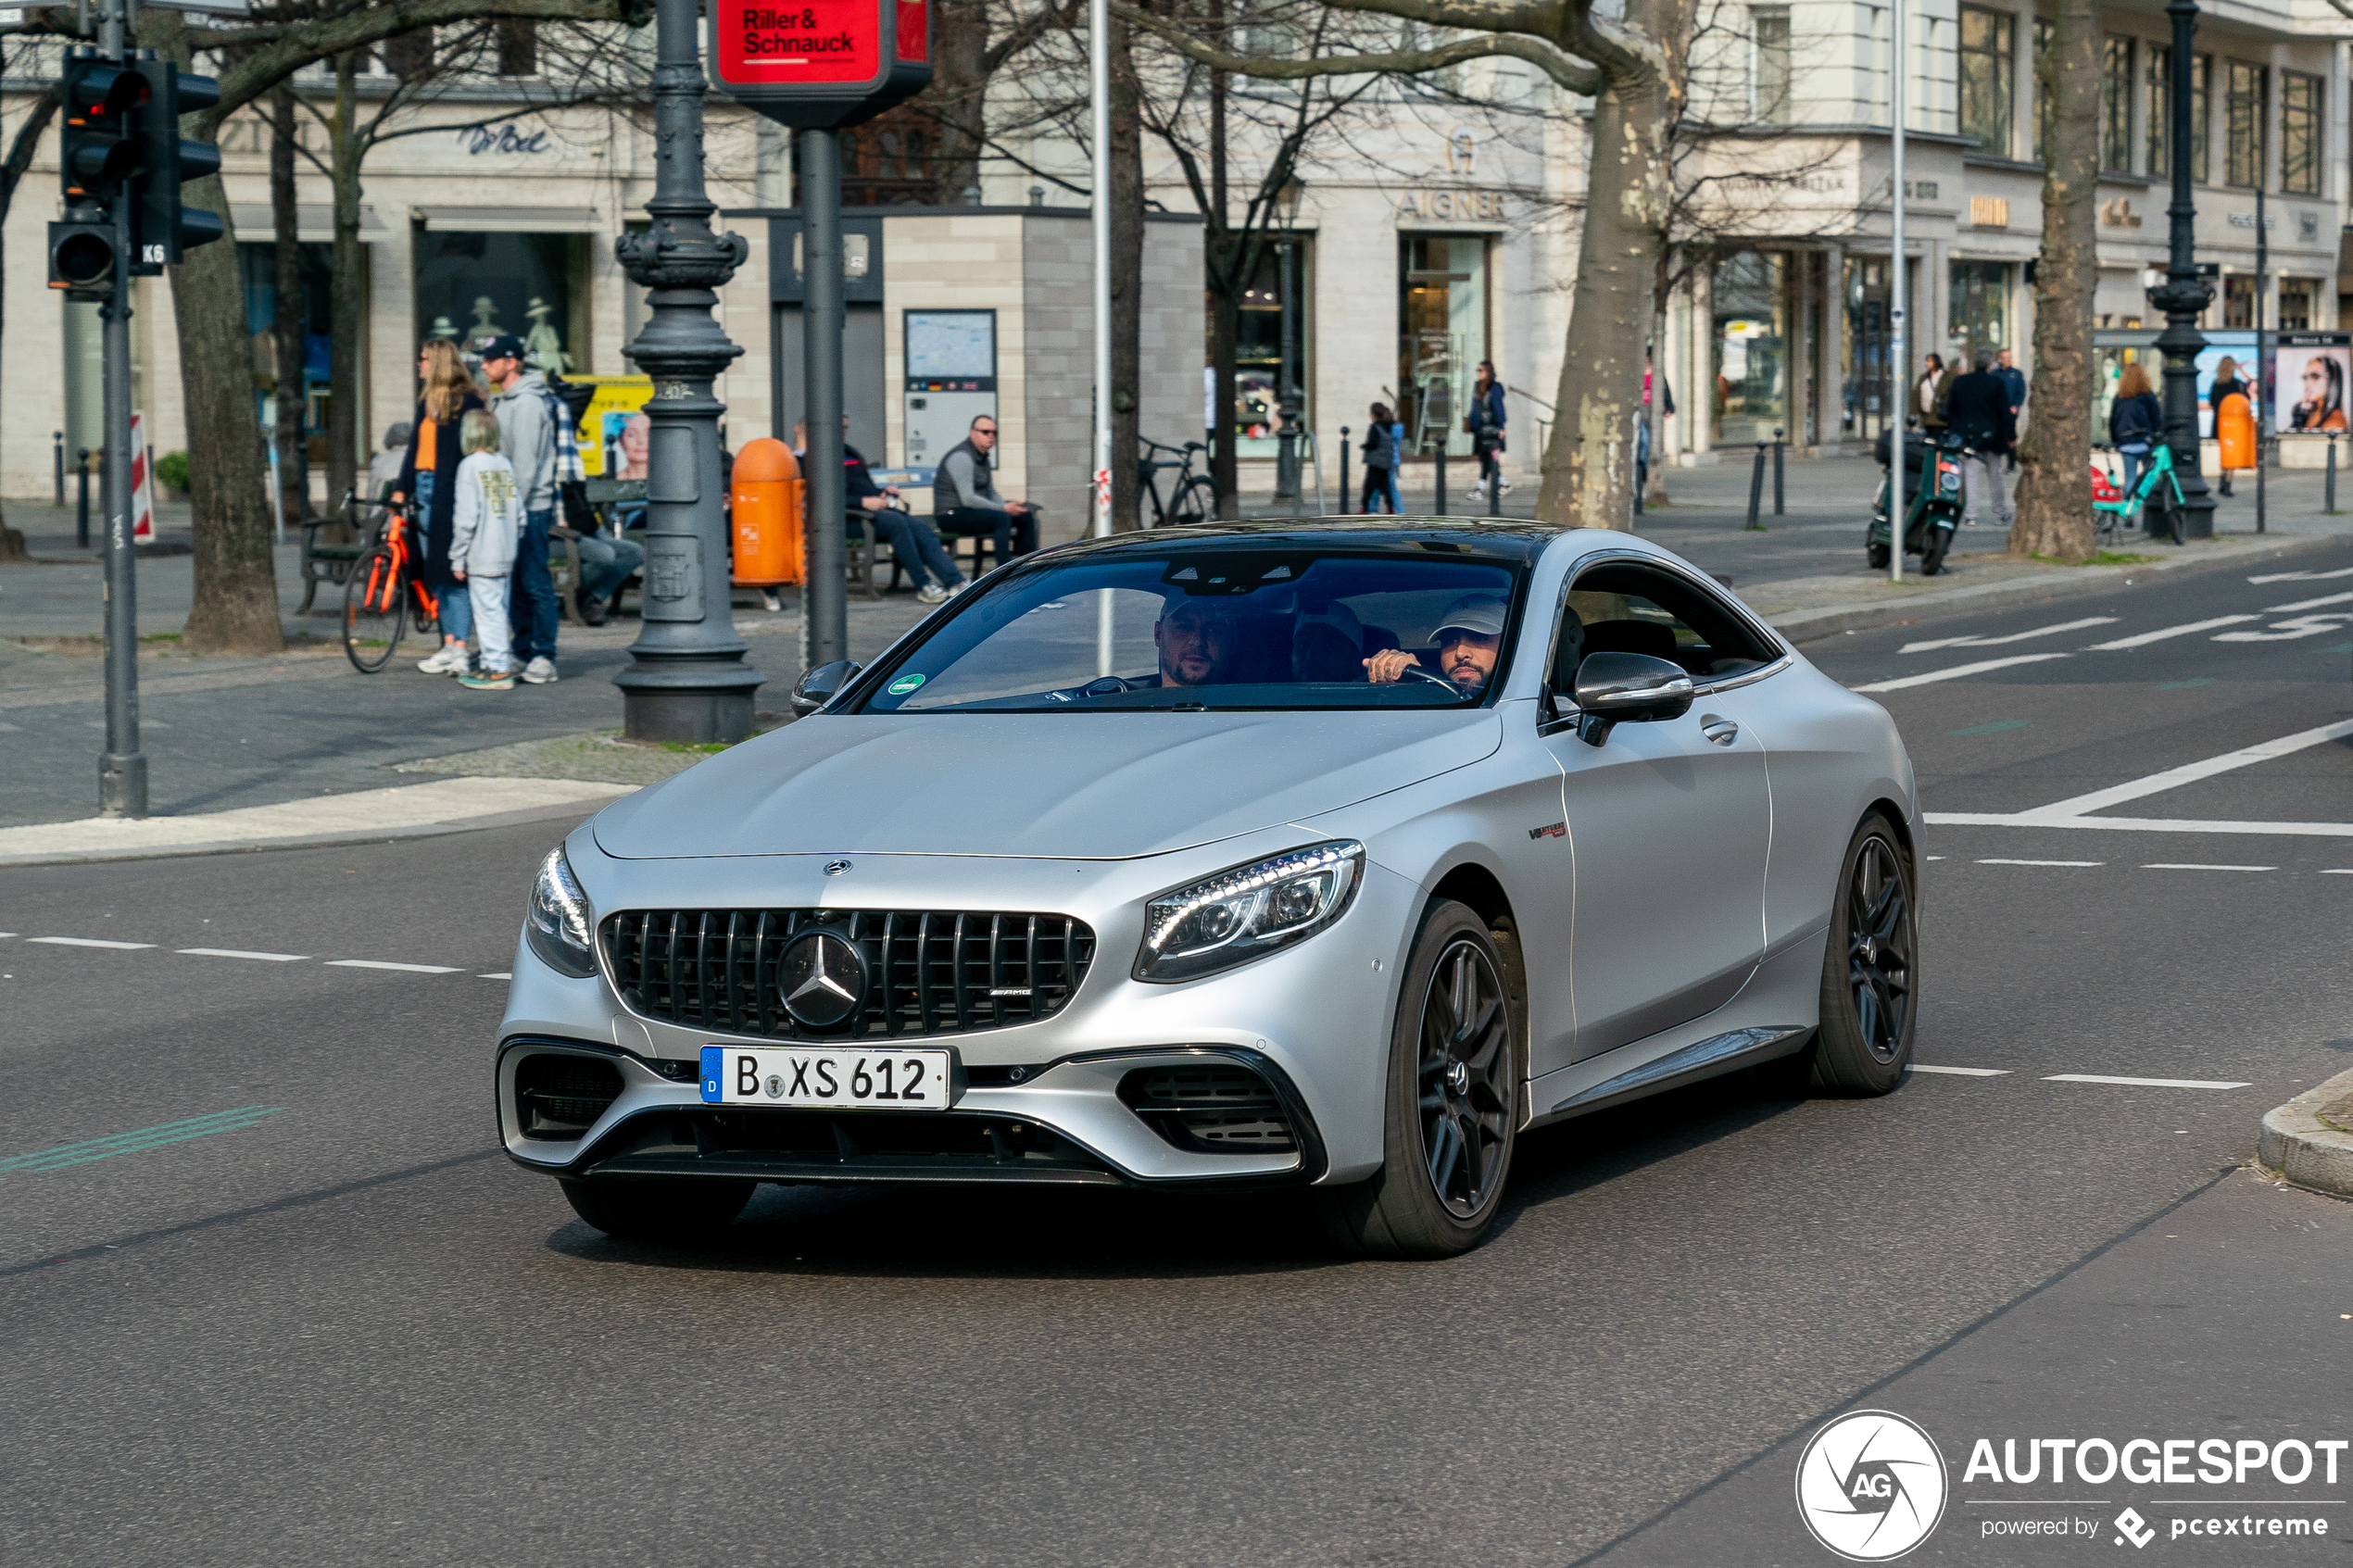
[(298, 1310)]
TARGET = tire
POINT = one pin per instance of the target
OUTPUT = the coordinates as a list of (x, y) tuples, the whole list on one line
[(1870, 971), (1877, 555), (1447, 1152), (375, 610), (1933, 551), (1195, 503), (658, 1208)]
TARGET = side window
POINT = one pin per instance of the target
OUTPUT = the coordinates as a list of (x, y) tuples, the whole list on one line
[(1626, 607)]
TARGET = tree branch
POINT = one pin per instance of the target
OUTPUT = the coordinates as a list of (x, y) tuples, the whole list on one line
[(1571, 75), (20, 151)]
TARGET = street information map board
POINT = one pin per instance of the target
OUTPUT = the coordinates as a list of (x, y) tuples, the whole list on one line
[(820, 63)]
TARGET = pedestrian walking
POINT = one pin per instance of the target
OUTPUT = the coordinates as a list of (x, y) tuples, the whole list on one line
[(1928, 393), (2134, 421), (530, 419), (2226, 384), (429, 475), (1485, 424), (965, 502), (486, 530), (2014, 380), (1978, 410), (1384, 442)]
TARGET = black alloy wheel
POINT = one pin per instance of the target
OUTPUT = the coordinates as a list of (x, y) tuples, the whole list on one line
[(1454, 1098), (1869, 974)]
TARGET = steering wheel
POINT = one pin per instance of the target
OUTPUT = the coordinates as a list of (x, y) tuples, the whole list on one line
[(1106, 685), (1434, 678)]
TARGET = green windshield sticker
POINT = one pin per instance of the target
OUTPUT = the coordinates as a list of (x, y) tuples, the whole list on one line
[(904, 685)]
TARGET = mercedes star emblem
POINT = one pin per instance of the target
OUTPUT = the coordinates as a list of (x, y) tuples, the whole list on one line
[(834, 867), (822, 978)]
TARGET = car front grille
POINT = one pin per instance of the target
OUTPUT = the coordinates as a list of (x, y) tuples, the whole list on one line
[(559, 1096), (928, 972), (1212, 1108)]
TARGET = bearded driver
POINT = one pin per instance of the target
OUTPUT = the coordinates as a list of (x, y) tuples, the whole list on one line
[(1469, 637), (1195, 638)]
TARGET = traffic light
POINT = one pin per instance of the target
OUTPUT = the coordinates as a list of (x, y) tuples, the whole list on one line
[(82, 257), (161, 226), (100, 147)]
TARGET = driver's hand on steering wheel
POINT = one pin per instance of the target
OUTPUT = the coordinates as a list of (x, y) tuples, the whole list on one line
[(1389, 665)]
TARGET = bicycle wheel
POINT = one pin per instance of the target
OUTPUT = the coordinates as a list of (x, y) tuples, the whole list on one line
[(1197, 502), (375, 610)]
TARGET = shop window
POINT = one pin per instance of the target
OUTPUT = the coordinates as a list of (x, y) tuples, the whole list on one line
[(2244, 106), (472, 285), (1768, 96), (2116, 105), (1258, 346), (1442, 336), (2238, 302), (303, 388), (890, 161), (1988, 68), (2299, 304), (2157, 108), (1978, 309), (1752, 347), (2299, 134)]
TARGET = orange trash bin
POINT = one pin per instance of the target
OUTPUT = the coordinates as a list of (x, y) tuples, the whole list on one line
[(765, 498), (2235, 432)]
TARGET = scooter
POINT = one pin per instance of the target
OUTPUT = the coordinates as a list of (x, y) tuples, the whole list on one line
[(1931, 493)]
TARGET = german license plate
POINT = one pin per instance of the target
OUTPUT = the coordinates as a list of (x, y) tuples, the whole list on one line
[(829, 1079)]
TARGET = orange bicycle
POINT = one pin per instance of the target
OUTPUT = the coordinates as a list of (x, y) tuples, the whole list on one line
[(376, 597)]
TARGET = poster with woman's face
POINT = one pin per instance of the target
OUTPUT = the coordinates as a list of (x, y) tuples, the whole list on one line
[(627, 436), (2311, 387)]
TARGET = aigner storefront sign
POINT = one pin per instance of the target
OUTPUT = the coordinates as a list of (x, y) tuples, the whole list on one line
[(1461, 205)]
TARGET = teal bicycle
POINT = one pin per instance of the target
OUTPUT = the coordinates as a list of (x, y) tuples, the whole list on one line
[(2154, 502)]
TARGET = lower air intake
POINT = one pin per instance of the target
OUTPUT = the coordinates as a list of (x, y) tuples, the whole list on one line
[(560, 1096), (1211, 1107)]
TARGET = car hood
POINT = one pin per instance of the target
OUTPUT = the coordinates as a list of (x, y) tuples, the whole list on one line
[(1065, 785)]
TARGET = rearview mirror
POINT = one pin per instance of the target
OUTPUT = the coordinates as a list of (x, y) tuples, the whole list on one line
[(1628, 688), (816, 687)]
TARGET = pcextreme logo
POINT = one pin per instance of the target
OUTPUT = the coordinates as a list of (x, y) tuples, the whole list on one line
[(1870, 1485)]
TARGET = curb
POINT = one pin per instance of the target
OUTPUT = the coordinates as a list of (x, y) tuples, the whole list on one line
[(2062, 583), (2301, 1148)]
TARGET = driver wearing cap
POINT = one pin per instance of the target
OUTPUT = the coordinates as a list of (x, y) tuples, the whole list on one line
[(1469, 636), (1195, 637)]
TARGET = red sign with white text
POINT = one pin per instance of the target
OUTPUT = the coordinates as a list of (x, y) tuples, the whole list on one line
[(813, 43)]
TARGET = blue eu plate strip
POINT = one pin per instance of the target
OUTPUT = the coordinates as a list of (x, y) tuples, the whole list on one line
[(710, 1070)]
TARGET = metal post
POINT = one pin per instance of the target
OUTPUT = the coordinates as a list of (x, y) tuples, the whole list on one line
[(687, 681), (2328, 485), (123, 769), (1777, 497), (82, 499), (1495, 490), (1438, 508), (2183, 295), (58, 460), (1345, 504), (2262, 265), (1899, 380), (1756, 488), (1099, 125), (825, 629), (1287, 403)]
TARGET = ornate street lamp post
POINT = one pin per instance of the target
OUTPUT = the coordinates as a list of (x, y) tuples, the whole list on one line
[(687, 681), (2183, 295)]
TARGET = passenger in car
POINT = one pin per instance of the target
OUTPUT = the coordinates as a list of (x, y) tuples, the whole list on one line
[(1195, 639), (1328, 645), (1469, 638)]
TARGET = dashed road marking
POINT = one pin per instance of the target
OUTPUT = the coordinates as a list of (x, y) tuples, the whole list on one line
[(2142, 1082), (1962, 1072), (502, 974), (2143, 639), (1959, 670), (2002, 860), (136, 1141), (404, 968), (1934, 644), (89, 942), (2200, 866), (241, 953), (2301, 576), (2310, 604)]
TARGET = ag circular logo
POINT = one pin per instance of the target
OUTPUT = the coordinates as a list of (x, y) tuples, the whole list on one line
[(1870, 1485), (821, 979)]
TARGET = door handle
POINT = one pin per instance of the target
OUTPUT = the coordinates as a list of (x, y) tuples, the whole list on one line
[(1723, 731)]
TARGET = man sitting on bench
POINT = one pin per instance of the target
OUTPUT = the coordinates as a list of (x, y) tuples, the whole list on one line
[(965, 502)]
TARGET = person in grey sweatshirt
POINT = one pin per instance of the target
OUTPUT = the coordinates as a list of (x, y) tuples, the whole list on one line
[(965, 502), (524, 408)]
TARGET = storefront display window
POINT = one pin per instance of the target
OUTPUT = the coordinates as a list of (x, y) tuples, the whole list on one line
[(1752, 347), (309, 381), (1442, 336), (1258, 353), (472, 286), (1979, 309)]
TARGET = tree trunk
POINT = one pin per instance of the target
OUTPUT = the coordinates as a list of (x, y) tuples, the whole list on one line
[(1126, 197), (1655, 411), (2055, 516), (11, 539), (957, 94), (291, 328), (348, 289)]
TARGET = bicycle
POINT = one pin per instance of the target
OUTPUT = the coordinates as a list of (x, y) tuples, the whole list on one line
[(376, 597), (2157, 493), (1195, 499)]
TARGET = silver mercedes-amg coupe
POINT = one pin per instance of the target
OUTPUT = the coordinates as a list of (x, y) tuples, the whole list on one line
[(1332, 855)]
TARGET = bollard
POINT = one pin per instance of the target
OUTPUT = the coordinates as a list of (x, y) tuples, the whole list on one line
[(82, 517), (1438, 508), (58, 460), (1777, 471), (1756, 488), (1343, 469), (1496, 489), (2328, 487)]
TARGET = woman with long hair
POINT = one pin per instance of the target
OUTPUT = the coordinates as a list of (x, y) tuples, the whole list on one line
[(2226, 384), (429, 473), (2134, 421), (2323, 405), (1925, 401)]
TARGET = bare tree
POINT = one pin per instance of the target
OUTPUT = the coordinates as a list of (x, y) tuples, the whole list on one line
[(2055, 517)]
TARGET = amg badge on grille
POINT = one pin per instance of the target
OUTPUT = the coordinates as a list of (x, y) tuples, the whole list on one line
[(821, 978)]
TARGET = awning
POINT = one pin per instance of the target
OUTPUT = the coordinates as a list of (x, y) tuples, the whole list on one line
[(514, 220), (314, 222)]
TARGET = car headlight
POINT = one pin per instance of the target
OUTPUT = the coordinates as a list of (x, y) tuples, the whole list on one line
[(558, 925), (1249, 911)]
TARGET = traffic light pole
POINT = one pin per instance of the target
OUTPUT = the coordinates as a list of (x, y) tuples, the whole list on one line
[(123, 769)]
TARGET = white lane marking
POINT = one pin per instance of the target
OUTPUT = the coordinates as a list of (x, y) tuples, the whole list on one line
[(88, 942), (2338, 871), (1934, 644), (2291, 629), (2302, 576), (2200, 866), (1998, 860), (2191, 773), (2310, 604), (1962, 1072), (241, 953), (2141, 1083), (404, 968), (1934, 857), (1958, 671), (2144, 639), (502, 974), (2134, 824)]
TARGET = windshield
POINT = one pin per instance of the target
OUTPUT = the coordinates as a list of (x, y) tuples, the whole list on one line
[(1216, 627)]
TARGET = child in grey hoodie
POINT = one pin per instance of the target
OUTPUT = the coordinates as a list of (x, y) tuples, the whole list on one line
[(482, 545)]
